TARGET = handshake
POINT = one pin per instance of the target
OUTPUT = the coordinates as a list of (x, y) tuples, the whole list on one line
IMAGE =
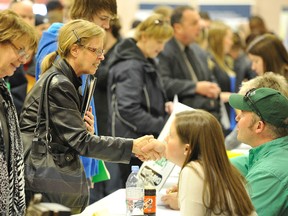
[(148, 148)]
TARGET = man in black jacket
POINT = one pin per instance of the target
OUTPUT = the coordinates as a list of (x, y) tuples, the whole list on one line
[(184, 71)]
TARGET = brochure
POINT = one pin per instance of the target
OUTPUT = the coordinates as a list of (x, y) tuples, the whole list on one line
[(88, 93)]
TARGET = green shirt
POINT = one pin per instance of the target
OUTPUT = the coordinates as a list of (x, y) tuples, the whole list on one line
[(266, 173)]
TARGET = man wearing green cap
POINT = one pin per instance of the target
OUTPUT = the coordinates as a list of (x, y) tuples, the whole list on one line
[(263, 124)]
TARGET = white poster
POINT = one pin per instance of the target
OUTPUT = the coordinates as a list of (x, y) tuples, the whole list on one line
[(284, 26), (157, 172)]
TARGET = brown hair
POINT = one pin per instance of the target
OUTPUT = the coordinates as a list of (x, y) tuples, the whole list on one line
[(222, 181), (271, 49), (177, 14), (257, 25), (87, 9), (13, 27)]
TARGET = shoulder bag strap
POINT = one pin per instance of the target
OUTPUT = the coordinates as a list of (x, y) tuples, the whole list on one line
[(44, 102)]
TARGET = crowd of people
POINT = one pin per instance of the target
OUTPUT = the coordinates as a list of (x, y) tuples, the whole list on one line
[(238, 87)]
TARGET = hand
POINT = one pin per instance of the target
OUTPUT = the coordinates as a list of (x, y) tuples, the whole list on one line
[(155, 149), (148, 148), (224, 96), (89, 121), (208, 89), (171, 199), (169, 107), (172, 189)]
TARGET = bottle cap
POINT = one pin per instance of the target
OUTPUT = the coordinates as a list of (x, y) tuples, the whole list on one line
[(134, 168)]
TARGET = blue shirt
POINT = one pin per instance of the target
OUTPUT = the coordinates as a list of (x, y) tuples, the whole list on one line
[(266, 173)]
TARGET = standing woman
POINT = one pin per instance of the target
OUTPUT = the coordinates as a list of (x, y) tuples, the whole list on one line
[(80, 49), (220, 41), (208, 183), (268, 53), (17, 41), (136, 96)]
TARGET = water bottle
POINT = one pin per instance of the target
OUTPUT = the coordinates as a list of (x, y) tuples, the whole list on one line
[(134, 193)]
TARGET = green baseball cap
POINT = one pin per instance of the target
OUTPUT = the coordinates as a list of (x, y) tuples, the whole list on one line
[(270, 105)]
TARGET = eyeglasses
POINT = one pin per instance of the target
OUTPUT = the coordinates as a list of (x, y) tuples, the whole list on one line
[(20, 51), (99, 52), (251, 103)]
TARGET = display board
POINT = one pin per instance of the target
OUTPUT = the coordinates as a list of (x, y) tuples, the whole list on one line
[(157, 172)]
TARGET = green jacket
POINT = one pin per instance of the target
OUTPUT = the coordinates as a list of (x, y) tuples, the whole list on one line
[(266, 173)]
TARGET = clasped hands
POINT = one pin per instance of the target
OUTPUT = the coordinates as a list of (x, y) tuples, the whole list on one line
[(148, 148), (145, 147)]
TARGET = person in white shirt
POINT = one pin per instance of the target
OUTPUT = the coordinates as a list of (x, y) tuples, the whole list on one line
[(208, 183)]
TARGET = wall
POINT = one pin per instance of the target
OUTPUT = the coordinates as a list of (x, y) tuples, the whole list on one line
[(268, 9)]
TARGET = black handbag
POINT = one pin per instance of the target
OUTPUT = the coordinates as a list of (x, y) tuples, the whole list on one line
[(52, 168), (36, 153)]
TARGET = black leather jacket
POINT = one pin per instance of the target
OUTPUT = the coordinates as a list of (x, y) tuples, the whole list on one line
[(69, 133)]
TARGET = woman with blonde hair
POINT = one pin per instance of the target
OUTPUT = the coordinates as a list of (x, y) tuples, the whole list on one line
[(220, 41), (80, 51), (208, 183), (18, 40), (135, 91)]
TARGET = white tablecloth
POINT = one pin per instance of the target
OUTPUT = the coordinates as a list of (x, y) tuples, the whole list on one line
[(114, 204)]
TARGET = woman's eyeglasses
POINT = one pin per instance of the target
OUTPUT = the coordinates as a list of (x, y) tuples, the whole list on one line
[(251, 103), (99, 52), (20, 51)]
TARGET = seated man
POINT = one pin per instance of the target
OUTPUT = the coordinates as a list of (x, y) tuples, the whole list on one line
[(263, 124)]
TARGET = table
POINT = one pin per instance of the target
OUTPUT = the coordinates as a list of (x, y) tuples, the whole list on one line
[(114, 205)]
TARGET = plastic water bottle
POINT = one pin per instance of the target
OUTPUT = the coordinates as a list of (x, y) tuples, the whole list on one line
[(134, 193)]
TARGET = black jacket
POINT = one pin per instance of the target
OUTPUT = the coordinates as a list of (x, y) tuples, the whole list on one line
[(100, 93), (69, 133), (242, 67), (18, 88), (135, 93), (177, 78)]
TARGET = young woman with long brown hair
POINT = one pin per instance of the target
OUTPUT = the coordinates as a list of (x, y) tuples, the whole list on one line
[(268, 53), (208, 183)]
